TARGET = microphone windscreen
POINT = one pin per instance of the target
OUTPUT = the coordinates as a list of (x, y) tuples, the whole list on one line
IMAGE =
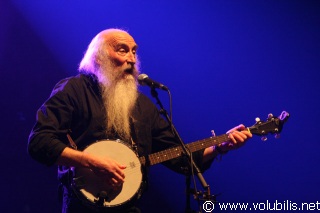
[(141, 78)]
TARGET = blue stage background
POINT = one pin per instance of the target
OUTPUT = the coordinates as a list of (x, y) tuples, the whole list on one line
[(225, 62)]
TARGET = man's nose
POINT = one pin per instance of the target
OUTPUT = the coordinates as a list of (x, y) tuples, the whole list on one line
[(131, 58)]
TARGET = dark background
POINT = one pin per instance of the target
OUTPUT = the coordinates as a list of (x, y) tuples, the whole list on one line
[(225, 62)]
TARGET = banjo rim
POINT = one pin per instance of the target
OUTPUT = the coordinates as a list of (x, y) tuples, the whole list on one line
[(87, 201)]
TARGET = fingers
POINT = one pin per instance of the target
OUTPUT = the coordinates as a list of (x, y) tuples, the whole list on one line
[(119, 176), (109, 169), (121, 166), (114, 182), (237, 128), (117, 173), (239, 134), (237, 137), (241, 127)]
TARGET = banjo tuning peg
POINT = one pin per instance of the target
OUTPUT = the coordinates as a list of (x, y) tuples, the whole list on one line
[(264, 138), (277, 136)]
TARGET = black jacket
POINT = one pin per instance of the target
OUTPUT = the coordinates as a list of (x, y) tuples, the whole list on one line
[(75, 106)]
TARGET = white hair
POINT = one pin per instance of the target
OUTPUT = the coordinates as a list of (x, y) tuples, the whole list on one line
[(97, 50), (119, 94)]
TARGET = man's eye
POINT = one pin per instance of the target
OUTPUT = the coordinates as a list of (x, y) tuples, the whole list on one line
[(122, 51)]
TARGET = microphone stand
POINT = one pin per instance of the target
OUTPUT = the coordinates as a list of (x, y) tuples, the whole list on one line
[(206, 195)]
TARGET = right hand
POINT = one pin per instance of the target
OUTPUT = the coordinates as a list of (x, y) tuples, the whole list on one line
[(107, 168), (104, 167)]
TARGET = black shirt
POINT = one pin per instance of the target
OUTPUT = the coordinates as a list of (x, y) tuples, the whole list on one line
[(75, 106)]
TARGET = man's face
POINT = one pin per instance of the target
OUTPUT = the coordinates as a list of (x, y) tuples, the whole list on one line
[(122, 53)]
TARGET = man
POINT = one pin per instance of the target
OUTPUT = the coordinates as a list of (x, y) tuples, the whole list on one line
[(103, 102)]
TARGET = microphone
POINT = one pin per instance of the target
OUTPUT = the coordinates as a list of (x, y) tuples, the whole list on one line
[(144, 79)]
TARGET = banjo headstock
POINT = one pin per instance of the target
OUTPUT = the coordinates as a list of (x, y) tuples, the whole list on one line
[(273, 125)]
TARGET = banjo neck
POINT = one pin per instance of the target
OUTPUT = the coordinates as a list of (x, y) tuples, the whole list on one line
[(177, 151), (273, 125)]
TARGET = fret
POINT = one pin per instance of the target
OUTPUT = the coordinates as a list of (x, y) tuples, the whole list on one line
[(176, 152)]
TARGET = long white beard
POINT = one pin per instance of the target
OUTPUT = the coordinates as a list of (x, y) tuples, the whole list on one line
[(119, 93), (119, 101)]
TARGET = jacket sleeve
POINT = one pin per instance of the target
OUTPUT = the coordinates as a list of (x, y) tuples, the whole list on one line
[(48, 137)]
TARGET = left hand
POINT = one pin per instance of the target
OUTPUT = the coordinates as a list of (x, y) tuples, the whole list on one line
[(237, 138)]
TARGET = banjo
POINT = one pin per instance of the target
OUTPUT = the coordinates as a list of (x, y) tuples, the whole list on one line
[(93, 190)]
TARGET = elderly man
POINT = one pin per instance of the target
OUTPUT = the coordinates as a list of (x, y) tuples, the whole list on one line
[(100, 103)]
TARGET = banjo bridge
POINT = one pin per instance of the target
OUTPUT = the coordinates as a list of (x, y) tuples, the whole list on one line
[(132, 164)]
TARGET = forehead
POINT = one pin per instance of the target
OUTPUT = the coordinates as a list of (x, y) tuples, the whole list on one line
[(115, 39)]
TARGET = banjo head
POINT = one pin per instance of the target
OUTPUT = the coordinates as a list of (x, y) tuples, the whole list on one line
[(92, 188)]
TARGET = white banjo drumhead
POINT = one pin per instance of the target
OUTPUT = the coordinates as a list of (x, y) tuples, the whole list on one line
[(92, 185)]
